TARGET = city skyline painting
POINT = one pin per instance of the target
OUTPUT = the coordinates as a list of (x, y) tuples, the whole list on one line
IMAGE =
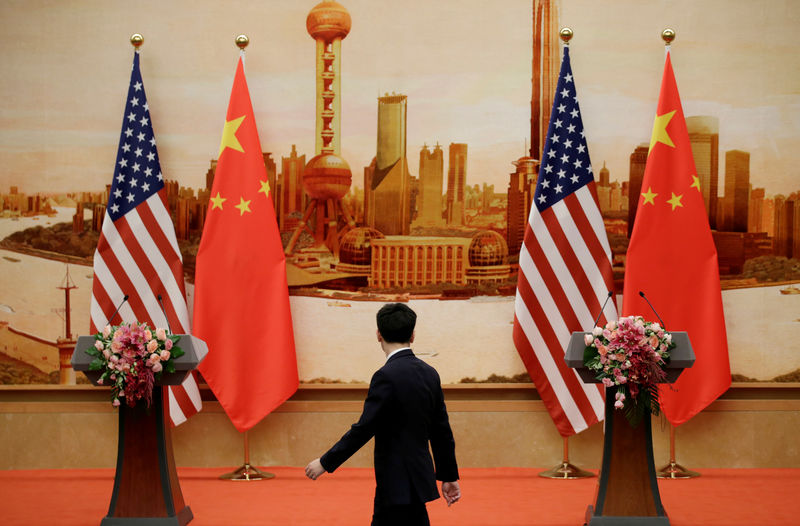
[(415, 130)]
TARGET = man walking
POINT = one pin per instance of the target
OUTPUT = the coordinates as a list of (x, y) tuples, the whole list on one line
[(404, 411)]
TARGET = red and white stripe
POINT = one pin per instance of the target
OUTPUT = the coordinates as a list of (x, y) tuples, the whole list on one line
[(565, 276), (138, 255)]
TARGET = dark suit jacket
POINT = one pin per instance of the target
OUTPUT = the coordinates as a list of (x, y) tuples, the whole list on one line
[(404, 410)]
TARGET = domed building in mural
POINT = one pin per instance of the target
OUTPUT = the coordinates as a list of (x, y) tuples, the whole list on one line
[(355, 251), (488, 258)]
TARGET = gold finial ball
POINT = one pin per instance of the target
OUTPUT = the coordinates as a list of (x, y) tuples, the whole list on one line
[(137, 40), (242, 41), (565, 34), (668, 35)]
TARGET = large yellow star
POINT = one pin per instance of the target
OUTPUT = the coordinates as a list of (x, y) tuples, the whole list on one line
[(243, 206), (265, 187), (675, 201), (649, 196), (660, 130), (229, 139), (217, 201), (695, 183)]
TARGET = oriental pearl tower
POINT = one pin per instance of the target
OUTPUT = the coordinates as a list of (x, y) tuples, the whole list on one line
[(327, 176)]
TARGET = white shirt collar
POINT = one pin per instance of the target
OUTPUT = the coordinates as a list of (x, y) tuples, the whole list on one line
[(397, 351)]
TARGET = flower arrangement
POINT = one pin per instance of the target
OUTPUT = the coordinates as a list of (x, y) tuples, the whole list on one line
[(631, 354), (132, 357)]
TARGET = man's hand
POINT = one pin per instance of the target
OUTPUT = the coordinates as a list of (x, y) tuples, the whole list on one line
[(314, 469), (451, 492)]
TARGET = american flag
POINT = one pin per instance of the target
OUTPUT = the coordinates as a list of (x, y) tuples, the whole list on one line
[(565, 266), (137, 253)]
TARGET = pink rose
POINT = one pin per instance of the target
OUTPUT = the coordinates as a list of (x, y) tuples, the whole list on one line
[(115, 403), (587, 339), (117, 334), (106, 354), (152, 345), (98, 345), (607, 382), (165, 356), (157, 367), (100, 381), (620, 396), (153, 358), (148, 335), (618, 404), (113, 376), (161, 334), (597, 331), (168, 344), (106, 331)]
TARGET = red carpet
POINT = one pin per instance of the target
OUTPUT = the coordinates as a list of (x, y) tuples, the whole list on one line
[(503, 497)]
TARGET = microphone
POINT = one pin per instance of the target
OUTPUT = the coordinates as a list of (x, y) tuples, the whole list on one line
[(164, 312), (118, 308), (653, 309), (610, 293)]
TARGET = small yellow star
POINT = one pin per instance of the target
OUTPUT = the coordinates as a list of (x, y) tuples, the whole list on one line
[(243, 206), (265, 187), (660, 130), (217, 201), (649, 196), (229, 139), (675, 201), (695, 183)]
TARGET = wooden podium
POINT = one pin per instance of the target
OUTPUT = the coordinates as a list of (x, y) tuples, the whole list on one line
[(146, 488), (627, 490)]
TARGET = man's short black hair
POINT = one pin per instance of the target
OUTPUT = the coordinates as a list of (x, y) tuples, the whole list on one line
[(396, 322)]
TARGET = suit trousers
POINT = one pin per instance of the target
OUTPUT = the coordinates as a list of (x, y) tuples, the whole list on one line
[(414, 514)]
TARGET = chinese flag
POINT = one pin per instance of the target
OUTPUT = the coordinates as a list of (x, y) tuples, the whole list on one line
[(241, 305), (672, 259)]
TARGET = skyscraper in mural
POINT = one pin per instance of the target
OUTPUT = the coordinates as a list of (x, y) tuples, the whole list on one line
[(545, 65), (638, 162), (704, 138), (737, 190), (389, 208), (456, 181), (327, 176), (520, 193), (292, 198), (431, 177)]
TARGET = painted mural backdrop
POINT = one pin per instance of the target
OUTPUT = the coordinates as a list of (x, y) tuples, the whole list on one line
[(417, 128)]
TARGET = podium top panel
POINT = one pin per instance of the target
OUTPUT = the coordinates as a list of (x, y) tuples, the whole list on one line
[(680, 357), (193, 347)]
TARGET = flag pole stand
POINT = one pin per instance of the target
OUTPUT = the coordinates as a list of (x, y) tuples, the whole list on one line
[(246, 471), (565, 470), (673, 470)]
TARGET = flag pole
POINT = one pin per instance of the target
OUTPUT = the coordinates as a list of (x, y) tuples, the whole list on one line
[(673, 470), (565, 470), (247, 471)]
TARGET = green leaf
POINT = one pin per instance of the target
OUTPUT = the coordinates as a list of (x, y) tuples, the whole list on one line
[(96, 364), (91, 351), (588, 353), (176, 352), (169, 367)]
